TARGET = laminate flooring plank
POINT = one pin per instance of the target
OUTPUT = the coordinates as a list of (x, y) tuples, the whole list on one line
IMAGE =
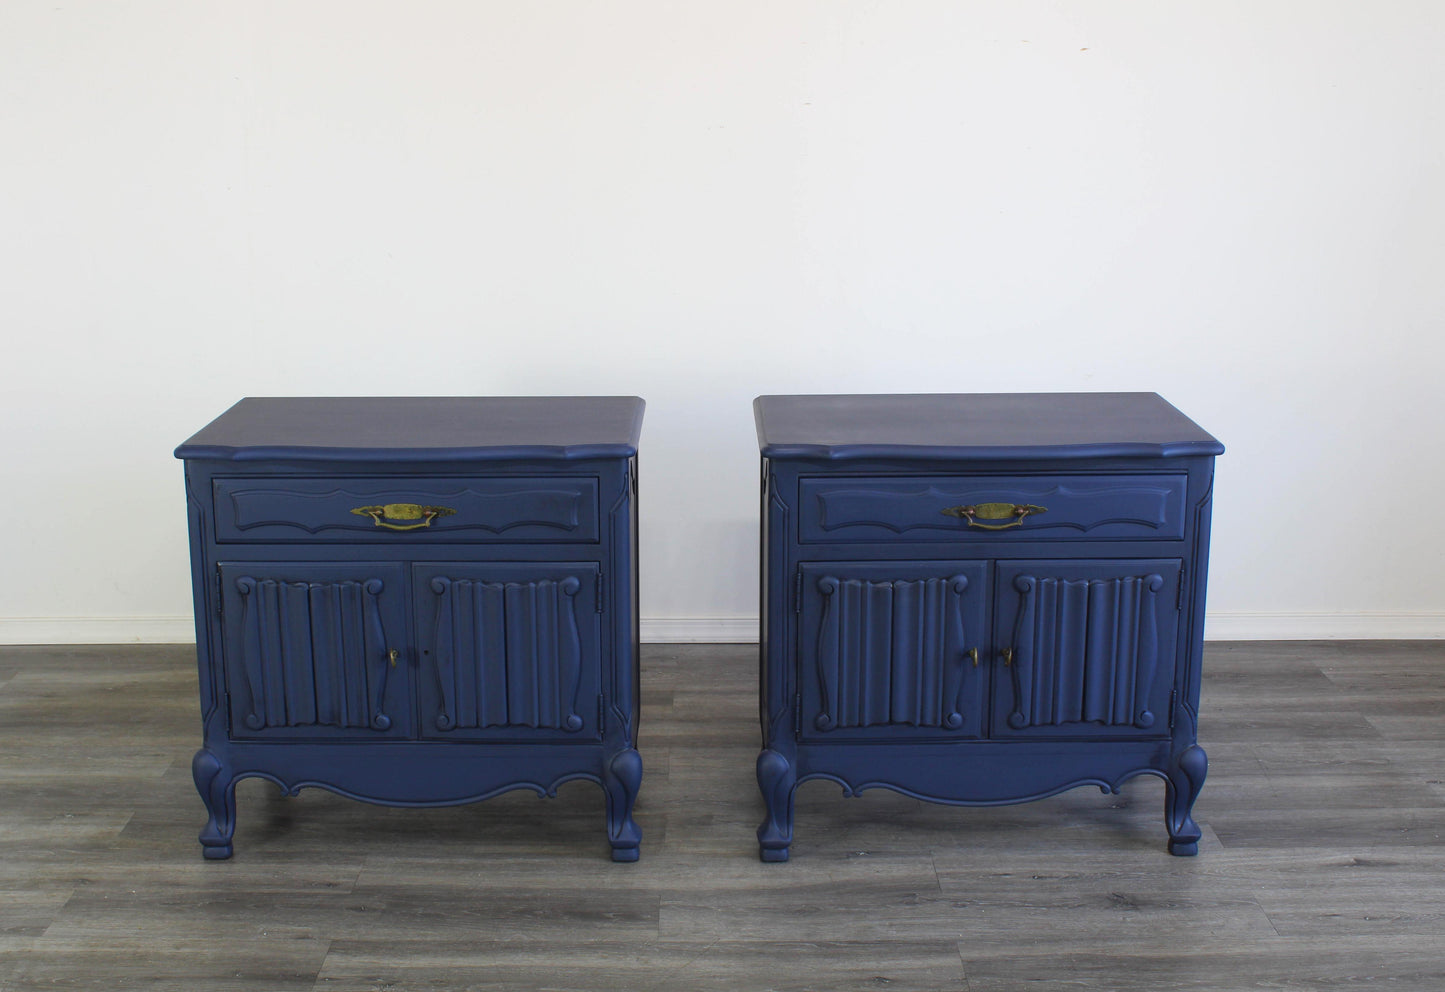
[(241, 962), (204, 911), (657, 766), (867, 912), (468, 907), (669, 875), (1388, 892), (1415, 698), (885, 914), (1424, 760), (1284, 722), (27, 910), (1287, 829), (1386, 686), (709, 966), (30, 832), (29, 761), (1324, 777), (715, 782), (176, 905), (1410, 726), (1327, 795), (1201, 963), (152, 885), (1006, 898), (67, 701), (1363, 659)]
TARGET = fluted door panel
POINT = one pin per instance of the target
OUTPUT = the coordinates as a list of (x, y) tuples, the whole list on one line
[(891, 648), (309, 649), (509, 650), (1085, 647)]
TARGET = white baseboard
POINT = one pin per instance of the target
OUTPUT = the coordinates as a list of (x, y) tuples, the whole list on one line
[(1324, 626), (97, 630), (699, 630), (744, 630)]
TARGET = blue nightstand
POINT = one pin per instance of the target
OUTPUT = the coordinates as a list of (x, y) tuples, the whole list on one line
[(417, 601), (981, 599)]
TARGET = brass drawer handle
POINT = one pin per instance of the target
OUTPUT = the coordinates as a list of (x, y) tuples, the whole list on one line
[(418, 516), (1014, 513)]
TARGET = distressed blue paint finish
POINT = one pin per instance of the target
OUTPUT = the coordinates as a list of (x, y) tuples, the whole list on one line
[(1084, 613), (494, 648)]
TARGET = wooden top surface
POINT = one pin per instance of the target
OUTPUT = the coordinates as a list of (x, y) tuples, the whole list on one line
[(977, 425), (418, 428)]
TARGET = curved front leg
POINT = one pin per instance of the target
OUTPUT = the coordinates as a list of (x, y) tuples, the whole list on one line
[(1181, 788), (778, 780), (621, 782), (218, 792)]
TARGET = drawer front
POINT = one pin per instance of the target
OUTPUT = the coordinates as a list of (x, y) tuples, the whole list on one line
[(836, 510), (424, 509)]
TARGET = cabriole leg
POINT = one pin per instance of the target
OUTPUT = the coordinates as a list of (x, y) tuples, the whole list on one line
[(1181, 788), (777, 780), (218, 792), (621, 782)]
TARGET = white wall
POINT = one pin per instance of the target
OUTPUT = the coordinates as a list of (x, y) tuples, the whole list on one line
[(1237, 204)]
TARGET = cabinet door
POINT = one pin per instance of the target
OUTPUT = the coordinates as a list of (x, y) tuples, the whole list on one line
[(1085, 648), (309, 649), (890, 650), (509, 650)]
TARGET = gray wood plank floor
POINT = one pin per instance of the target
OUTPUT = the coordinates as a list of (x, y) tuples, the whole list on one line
[(1322, 864)]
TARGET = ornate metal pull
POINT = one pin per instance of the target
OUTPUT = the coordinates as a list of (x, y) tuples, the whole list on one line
[(1014, 513), (1007, 654), (391, 657), (417, 516), (972, 655)]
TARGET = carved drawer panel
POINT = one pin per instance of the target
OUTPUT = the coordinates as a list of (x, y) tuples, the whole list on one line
[(996, 508), (451, 510)]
